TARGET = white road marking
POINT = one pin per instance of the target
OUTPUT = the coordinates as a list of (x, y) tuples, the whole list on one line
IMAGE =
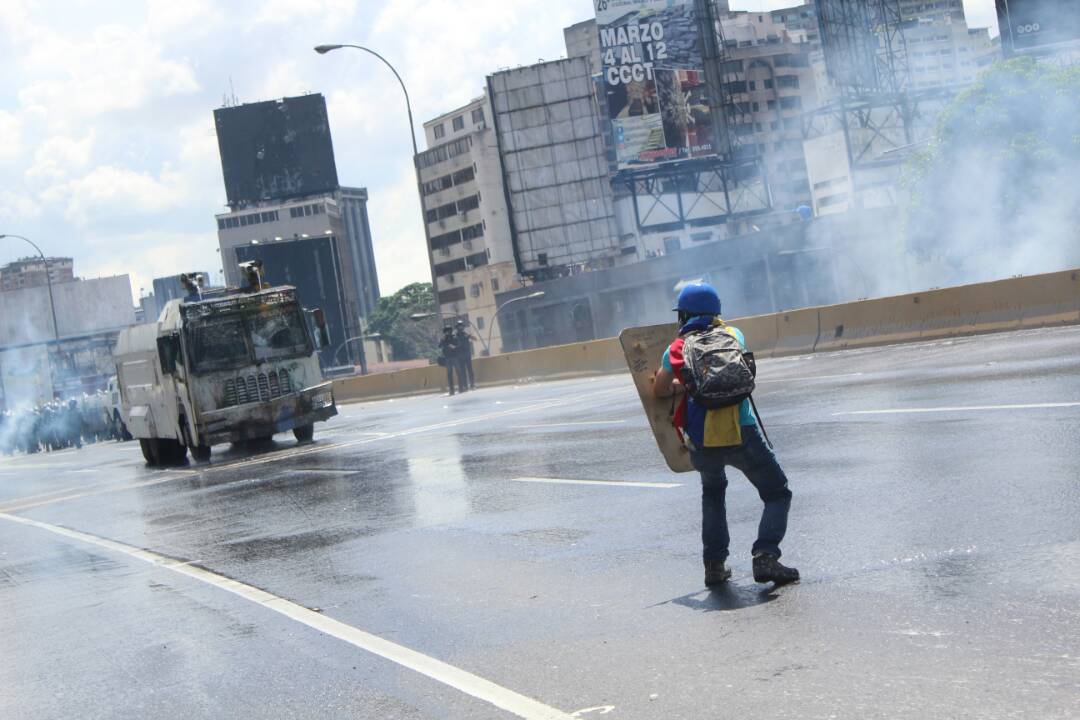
[(616, 483), (965, 408), (568, 424), (319, 471), (454, 677)]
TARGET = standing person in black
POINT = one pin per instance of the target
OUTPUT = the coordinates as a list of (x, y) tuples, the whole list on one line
[(465, 350), (448, 346)]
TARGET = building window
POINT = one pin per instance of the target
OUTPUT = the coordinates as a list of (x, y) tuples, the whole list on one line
[(672, 244), (478, 116), (221, 224), (451, 295), (788, 81), (439, 131), (475, 289), (449, 268), (494, 284), (472, 232), (701, 237), (469, 203), (463, 176), (459, 123), (541, 259), (479, 318)]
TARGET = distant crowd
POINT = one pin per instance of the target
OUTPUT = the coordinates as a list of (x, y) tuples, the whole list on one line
[(59, 425)]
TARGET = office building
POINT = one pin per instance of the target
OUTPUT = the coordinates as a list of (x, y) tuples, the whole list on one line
[(464, 203), (281, 181), (30, 272), (39, 363), (554, 158)]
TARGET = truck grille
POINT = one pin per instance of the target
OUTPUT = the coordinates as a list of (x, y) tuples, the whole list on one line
[(256, 388)]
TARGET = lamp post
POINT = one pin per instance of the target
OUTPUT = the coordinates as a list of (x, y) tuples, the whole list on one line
[(48, 279), (322, 50), (531, 296)]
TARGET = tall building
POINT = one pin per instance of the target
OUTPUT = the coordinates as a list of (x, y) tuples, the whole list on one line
[(464, 204), (38, 362), (932, 10), (946, 52), (30, 272), (555, 161), (281, 181), (772, 78), (314, 266)]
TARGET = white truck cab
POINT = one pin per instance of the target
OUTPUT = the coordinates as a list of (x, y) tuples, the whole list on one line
[(230, 368)]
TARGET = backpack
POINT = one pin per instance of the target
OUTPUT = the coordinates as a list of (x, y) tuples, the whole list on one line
[(716, 372)]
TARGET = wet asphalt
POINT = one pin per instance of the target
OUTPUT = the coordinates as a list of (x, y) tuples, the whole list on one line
[(940, 553)]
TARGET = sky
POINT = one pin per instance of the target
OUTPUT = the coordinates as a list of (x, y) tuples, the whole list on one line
[(107, 144)]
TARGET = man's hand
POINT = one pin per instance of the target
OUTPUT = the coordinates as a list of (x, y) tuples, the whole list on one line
[(665, 384)]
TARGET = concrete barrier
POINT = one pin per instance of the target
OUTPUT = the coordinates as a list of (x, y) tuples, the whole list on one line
[(797, 333), (1024, 302), (1052, 299)]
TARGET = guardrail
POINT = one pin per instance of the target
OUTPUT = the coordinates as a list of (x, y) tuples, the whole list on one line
[(1017, 303)]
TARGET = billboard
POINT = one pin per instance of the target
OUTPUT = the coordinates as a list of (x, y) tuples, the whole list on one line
[(276, 150), (1035, 24), (654, 75)]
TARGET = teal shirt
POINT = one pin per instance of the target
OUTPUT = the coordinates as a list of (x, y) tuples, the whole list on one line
[(746, 413)]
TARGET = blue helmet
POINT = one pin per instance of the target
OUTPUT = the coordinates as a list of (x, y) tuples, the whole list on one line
[(699, 299)]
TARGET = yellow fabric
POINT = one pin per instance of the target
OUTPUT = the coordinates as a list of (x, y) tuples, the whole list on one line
[(722, 427)]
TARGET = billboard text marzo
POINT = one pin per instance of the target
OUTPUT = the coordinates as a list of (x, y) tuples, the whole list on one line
[(654, 78)]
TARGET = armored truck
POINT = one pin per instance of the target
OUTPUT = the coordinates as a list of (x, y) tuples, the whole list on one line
[(241, 366)]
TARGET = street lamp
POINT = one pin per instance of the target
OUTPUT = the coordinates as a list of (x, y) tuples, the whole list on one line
[(48, 279), (322, 50), (491, 327)]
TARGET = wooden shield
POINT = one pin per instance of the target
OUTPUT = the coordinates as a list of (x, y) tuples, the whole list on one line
[(644, 346)]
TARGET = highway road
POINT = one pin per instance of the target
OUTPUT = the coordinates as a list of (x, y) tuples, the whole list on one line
[(522, 551)]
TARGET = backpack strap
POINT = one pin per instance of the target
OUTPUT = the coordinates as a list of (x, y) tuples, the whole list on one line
[(760, 423)]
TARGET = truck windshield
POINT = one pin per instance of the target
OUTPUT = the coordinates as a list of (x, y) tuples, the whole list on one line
[(219, 344), (278, 333)]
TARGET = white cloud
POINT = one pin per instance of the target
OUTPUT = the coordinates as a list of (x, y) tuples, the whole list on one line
[(59, 156), (192, 17), (107, 193), (113, 68), (11, 140)]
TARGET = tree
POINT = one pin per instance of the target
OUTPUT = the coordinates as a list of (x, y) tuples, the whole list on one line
[(408, 338), (997, 192)]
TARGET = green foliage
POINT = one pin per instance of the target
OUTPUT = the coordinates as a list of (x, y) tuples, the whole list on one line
[(409, 338), (1002, 169)]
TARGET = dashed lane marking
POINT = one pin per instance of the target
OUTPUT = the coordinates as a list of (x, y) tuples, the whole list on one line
[(965, 408), (454, 677), (615, 483)]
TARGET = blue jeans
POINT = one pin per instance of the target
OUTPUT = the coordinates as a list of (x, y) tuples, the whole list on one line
[(756, 460)]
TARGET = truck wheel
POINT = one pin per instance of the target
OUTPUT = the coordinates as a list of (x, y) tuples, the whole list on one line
[(173, 452), (150, 450), (304, 433), (201, 453)]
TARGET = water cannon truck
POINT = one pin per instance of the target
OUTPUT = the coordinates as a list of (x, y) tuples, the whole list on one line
[(223, 367)]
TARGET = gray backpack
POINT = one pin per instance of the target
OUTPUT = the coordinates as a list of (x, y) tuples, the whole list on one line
[(717, 373)]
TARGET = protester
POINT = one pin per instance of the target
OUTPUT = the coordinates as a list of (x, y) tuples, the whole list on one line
[(465, 354), (451, 359), (722, 436)]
